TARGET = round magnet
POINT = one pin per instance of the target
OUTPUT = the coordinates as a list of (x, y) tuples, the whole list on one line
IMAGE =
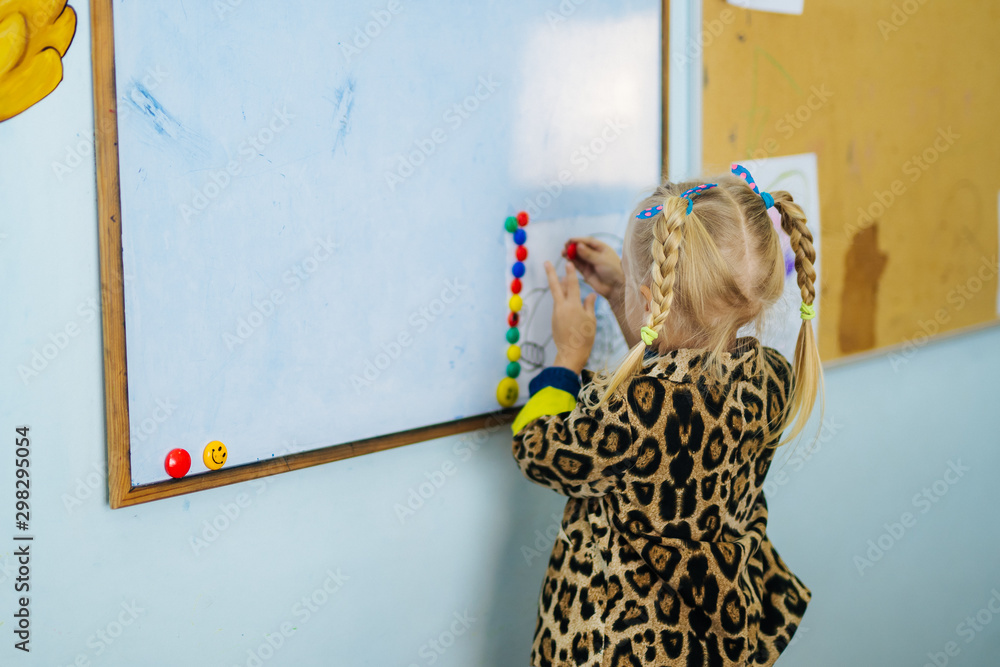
[(507, 392), (177, 463), (214, 455)]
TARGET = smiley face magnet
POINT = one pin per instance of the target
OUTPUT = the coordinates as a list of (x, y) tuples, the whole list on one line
[(214, 455)]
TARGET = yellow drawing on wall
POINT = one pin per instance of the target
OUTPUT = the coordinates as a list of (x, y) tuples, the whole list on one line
[(34, 36)]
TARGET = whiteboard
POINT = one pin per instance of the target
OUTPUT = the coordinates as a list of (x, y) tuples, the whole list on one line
[(313, 197)]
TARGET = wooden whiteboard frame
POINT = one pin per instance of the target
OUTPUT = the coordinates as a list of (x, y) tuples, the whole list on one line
[(121, 492)]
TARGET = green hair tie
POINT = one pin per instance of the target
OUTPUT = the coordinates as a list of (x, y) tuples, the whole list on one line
[(648, 335), (808, 312)]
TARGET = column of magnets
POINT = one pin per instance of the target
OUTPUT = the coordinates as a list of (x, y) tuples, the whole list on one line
[(507, 390)]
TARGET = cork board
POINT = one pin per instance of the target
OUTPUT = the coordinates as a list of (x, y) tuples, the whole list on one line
[(897, 100)]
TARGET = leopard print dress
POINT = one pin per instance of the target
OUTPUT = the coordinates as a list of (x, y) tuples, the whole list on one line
[(663, 558)]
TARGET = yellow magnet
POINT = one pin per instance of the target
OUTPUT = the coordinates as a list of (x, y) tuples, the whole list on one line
[(515, 303), (513, 353), (214, 455), (507, 392)]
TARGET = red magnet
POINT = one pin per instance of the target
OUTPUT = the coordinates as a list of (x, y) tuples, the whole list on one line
[(178, 463), (522, 218), (571, 250), (515, 287), (513, 319), (521, 253)]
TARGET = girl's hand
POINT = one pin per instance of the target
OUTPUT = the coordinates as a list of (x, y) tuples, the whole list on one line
[(573, 323), (600, 266)]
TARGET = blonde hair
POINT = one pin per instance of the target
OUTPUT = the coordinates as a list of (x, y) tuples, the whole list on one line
[(716, 269)]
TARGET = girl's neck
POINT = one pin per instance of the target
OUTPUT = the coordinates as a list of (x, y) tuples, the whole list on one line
[(678, 340)]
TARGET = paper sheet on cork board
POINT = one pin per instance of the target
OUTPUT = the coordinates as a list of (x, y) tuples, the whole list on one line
[(777, 6)]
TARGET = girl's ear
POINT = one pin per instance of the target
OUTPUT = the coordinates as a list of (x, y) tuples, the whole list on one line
[(647, 294)]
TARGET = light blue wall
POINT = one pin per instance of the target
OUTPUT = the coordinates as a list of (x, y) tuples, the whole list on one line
[(468, 549)]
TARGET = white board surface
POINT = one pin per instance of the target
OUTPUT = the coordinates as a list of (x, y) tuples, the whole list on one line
[(313, 197)]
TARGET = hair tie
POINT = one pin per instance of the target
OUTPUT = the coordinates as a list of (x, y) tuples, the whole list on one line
[(744, 173), (648, 335), (688, 195), (650, 212), (807, 311), (691, 193)]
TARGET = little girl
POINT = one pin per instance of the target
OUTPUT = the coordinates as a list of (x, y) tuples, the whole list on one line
[(663, 556)]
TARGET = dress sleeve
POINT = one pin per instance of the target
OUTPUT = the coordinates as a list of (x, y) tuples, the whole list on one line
[(562, 445)]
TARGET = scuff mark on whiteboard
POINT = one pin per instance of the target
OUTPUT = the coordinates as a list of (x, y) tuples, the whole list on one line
[(161, 121), (342, 117), (157, 116)]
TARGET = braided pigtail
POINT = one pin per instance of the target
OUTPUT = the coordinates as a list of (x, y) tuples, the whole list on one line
[(807, 367), (687, 239), (668, 233)]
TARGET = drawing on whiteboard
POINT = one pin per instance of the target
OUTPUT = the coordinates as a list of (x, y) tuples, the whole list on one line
[(34, 37), (608, 340)]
